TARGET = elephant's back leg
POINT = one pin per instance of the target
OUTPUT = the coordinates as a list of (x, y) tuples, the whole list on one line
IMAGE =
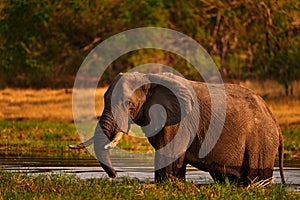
[(258, 161), (262, 141)]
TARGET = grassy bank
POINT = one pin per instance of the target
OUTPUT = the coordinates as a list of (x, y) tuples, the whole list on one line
[(39, 123), (20, 186), (38, 138), (46, 138)]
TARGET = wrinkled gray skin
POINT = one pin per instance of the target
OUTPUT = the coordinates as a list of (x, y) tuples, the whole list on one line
[(246, 149)]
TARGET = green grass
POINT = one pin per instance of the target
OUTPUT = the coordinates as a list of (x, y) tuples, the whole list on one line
[(291, 135), (38, 138), (51, 139), (20, 186), (44, 138)]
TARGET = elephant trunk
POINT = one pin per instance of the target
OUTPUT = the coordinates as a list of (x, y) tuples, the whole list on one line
[(107, 136), (102, 154)]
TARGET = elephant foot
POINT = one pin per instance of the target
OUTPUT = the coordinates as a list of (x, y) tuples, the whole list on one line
[(260, 174), (173, 171), (223, 178)]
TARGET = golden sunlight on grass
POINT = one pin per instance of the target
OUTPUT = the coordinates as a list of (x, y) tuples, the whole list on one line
[(56, 105), (286, 109), (45, 104)]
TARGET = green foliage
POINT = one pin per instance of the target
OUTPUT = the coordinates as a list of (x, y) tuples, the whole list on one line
[(43, 43), (21, 186), (278, 58), (291, 142)]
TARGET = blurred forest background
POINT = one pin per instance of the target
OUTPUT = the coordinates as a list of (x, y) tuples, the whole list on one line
[(43, 43)]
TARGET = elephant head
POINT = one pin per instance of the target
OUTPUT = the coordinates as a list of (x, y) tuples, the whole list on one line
[(149, 100)]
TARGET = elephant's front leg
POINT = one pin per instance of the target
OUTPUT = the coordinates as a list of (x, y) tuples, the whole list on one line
[(166, 168)]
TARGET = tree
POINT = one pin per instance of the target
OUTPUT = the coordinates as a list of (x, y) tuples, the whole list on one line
[(43, 43), (278, 58)]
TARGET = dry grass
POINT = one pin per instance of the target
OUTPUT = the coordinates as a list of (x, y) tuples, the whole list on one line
[(259, 183), (45, 104), (285, 109), (56, 105)]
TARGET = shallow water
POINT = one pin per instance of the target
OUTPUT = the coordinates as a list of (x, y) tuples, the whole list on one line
[(140, 167)]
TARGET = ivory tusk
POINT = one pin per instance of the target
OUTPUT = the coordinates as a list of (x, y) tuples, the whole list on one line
[(83, 144), (115, 141)]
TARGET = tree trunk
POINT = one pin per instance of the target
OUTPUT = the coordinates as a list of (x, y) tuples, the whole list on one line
[(286, 87), (291, 89)]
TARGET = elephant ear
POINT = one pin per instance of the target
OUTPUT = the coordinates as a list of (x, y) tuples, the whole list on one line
[(174, 93)]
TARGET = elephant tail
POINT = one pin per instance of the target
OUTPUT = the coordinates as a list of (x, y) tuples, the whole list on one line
[(83, 144), (281, 155)]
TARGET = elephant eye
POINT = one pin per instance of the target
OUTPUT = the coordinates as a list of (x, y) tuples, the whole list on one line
[(128, 103)]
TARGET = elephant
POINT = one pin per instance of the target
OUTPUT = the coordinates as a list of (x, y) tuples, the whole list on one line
[(245, 150)]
